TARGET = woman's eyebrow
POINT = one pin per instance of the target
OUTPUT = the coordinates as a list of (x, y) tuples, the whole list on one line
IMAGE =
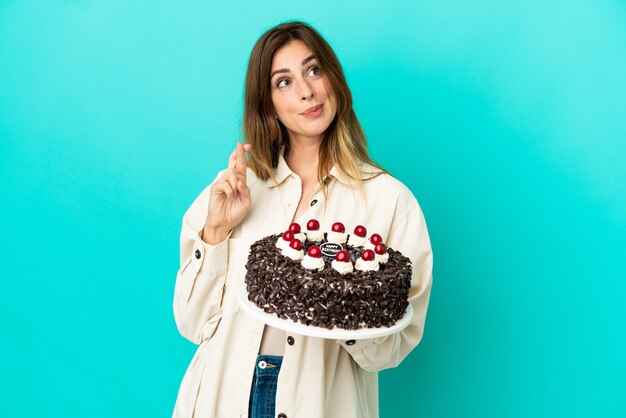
[(286, 70)]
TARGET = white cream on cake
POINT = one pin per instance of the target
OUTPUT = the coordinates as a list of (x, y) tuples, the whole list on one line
[(356, 241), (281, 243), (314, 236), (366, 265), (342, 267), (313, 263), (381, 258), (292, 253), (337, 237)]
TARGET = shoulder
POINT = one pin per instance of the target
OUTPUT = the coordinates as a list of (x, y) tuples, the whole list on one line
[(386, 186)]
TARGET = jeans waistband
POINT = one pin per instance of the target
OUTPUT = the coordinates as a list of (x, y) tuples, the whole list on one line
[(267, 364)]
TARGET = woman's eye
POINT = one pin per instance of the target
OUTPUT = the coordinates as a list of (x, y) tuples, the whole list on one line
[(285, 81), (318, 70)]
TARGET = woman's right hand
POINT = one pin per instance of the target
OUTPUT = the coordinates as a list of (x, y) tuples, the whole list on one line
[(230, 198)]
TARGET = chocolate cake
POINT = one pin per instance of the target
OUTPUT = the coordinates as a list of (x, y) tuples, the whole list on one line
[(330, 279)]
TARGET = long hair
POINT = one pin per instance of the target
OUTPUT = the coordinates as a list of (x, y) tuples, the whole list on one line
[(344, 143)]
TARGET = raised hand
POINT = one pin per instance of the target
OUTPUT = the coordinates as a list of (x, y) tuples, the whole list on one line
[(230, 198)]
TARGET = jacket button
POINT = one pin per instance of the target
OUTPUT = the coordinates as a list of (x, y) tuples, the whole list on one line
[(350, 342), (198, 254), (326, 180), (314, 201), (281, 415), (290, 340)]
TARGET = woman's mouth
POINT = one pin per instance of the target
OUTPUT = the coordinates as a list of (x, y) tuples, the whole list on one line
[(313, 112)]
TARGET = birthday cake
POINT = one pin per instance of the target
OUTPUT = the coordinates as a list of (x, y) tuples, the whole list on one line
[(329, 279)]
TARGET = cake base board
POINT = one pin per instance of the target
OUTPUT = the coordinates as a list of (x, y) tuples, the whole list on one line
[(312, 331)]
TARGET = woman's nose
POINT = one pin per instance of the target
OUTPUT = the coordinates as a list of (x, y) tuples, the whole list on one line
[(306, 91)]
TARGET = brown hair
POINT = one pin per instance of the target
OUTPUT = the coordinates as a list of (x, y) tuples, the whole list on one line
[(343, 143)]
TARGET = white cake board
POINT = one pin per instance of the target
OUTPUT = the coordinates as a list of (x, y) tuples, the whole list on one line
[(335, 334)]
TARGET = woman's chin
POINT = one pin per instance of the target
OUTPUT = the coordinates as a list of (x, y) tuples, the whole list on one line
[(314, 129)]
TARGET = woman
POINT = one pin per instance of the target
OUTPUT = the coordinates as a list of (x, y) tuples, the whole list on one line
[(307, 160)]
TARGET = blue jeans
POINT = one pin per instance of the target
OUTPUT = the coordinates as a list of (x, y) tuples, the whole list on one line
[(263, 392)]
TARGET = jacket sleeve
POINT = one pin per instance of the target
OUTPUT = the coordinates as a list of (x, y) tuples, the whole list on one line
[(409, 235), (200, 279)]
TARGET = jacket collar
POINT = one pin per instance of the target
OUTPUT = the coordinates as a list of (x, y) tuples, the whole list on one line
[(282, 171)]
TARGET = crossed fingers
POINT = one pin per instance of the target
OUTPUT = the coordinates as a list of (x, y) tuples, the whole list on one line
[(237, 167)]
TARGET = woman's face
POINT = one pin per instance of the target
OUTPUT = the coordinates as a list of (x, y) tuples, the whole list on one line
[(297, 85)]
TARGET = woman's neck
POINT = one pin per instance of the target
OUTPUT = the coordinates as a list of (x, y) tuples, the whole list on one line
[(302, 158)]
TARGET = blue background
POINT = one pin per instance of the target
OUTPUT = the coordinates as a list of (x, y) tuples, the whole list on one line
[(506, 120)]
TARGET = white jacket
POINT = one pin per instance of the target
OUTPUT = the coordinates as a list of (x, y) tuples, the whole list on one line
[(319, 378)]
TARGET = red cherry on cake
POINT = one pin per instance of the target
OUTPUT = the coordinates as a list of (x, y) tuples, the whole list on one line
[(295, 228), (296, 244), (342, 256), (313, 225), (338, 227), (288, 236), (367, 255), (360, 231), (314, 251), (380, 248), (376, 239)]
